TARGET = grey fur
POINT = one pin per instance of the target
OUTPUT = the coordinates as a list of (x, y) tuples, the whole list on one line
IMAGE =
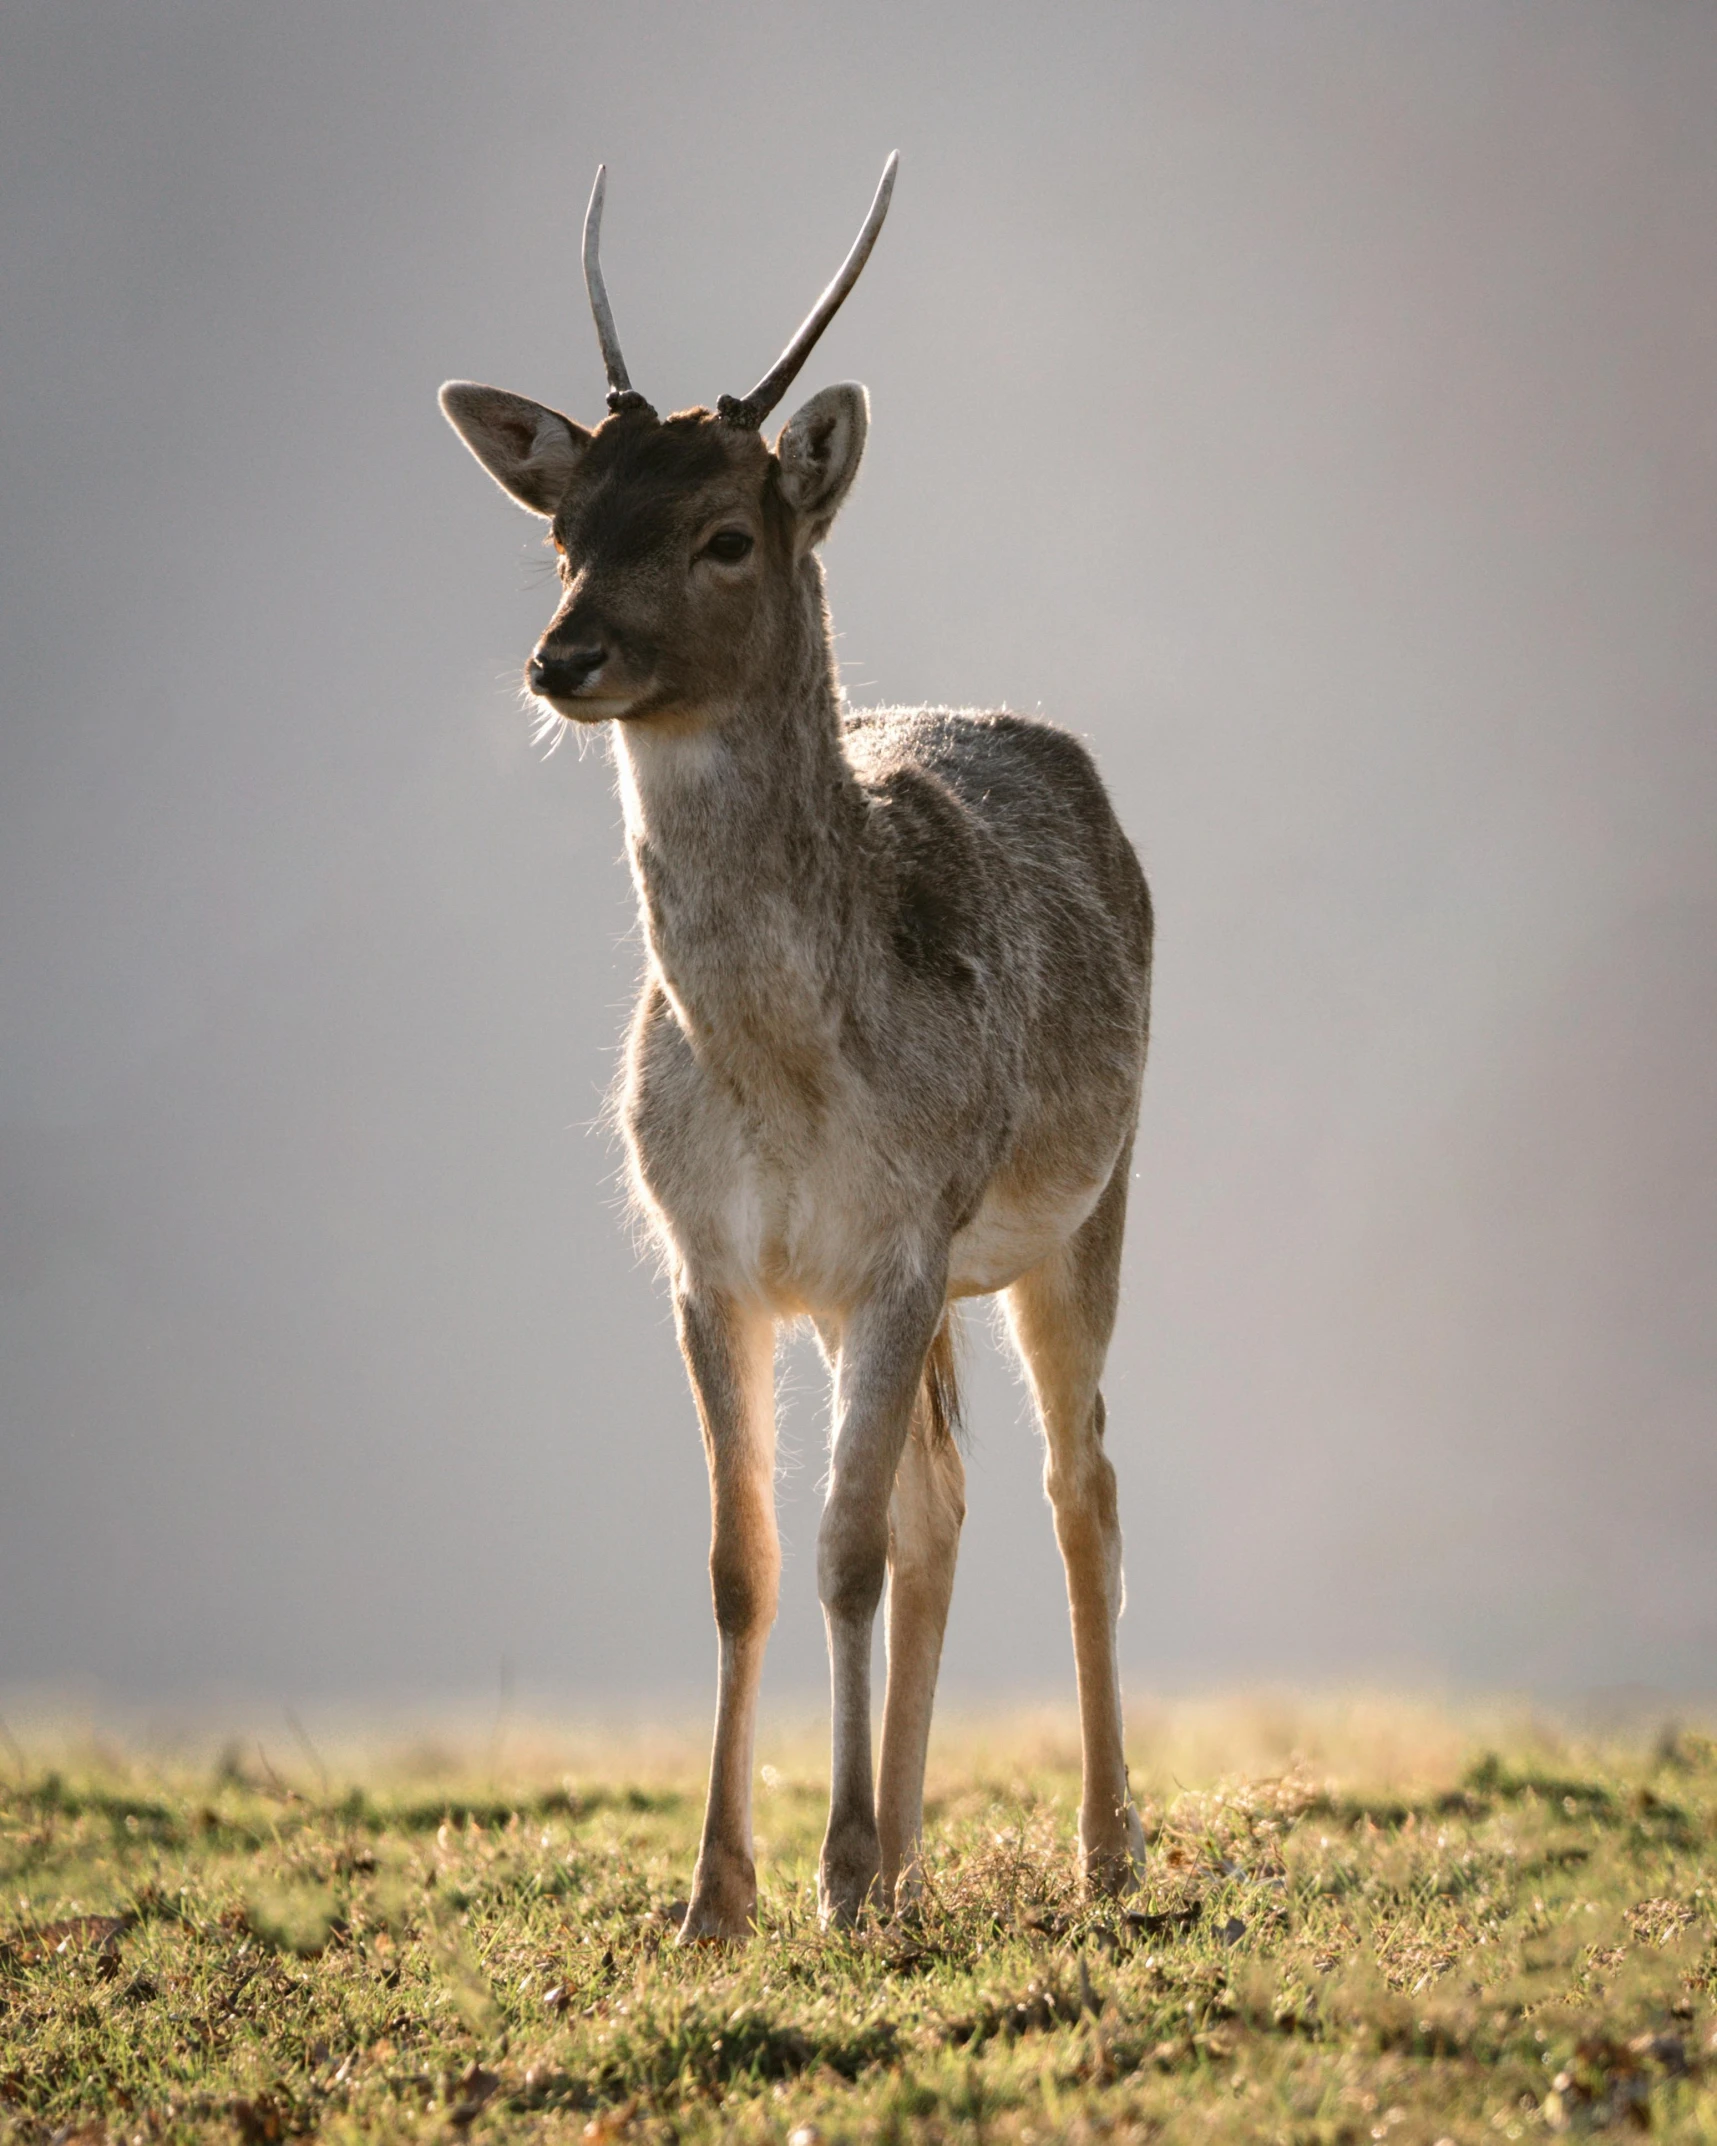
[(888, 1052)]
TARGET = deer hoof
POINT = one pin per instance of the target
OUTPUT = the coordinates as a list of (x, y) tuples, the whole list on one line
[(715, 1926), (849, 1877), (723, 1907), (1115, 1867), (902, 1893)]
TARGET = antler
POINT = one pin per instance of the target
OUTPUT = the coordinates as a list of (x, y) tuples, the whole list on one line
[(622, 395), (750, 410)]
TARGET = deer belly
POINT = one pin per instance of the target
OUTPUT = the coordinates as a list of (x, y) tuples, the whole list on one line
[(1012, 1232), (811, 1237), (805, 1246), (791, 1240)]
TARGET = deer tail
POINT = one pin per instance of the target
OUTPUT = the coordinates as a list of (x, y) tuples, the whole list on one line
[(940, 1422)]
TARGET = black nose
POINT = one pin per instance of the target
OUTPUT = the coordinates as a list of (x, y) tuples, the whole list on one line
[(561, 674)]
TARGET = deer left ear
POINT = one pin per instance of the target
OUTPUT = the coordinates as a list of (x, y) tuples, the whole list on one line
[(819, 451)]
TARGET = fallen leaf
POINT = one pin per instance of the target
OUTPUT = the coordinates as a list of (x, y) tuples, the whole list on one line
[(1167, 1922), (475, 2086)]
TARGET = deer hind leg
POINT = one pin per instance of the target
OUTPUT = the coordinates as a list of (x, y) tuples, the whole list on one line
[(882, 1352), (923, 1542), (729, 1352), (1062, 1314)]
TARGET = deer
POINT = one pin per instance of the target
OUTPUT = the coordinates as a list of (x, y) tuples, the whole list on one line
[(887, 1055)]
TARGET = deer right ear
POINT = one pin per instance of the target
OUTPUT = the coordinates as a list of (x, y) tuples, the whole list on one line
[(530, 451)]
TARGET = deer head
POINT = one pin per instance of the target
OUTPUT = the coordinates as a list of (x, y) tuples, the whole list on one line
[(684, 542)]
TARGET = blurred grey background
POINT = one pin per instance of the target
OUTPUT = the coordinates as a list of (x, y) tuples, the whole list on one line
[(1315, 405)]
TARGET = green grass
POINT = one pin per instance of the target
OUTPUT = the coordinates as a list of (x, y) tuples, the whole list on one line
[(1355, 1926)]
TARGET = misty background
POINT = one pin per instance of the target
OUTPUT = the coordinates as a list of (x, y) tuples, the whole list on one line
[(1313, 405)]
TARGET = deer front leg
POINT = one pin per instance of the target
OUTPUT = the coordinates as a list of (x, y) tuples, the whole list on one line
[(883, 1346), (729, 1351)]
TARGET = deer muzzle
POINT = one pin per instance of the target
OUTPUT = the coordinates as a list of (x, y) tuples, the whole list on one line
[(565, 674)]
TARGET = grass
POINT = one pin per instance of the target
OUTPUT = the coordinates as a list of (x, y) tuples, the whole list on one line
[(1357, 1925)]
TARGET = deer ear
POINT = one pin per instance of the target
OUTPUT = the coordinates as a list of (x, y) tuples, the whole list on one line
[(819, 451), (528, 450)]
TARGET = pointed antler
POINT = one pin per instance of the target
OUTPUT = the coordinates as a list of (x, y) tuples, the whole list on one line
[(750, 410), (622, 395)]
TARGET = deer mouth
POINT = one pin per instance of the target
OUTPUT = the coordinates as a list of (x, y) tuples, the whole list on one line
[(588, 707)]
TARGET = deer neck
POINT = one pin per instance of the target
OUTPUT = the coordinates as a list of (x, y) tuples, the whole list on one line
[(742, 828)]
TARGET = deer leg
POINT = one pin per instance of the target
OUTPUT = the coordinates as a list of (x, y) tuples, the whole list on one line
[(1062, 1314), (883, 1346), (923, 1543), (729, 1351)]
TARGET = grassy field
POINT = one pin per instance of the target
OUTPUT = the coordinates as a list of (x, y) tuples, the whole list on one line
[(1358, 1924)]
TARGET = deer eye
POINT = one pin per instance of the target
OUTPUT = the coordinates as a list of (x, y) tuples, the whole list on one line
[(728, 545)]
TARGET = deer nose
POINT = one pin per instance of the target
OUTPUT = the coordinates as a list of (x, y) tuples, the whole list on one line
[(563, 672)]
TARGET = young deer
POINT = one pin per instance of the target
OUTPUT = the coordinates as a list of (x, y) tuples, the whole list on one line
[(888, 1053)]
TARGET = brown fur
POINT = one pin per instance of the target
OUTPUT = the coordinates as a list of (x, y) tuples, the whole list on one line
[(888, 1053)]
